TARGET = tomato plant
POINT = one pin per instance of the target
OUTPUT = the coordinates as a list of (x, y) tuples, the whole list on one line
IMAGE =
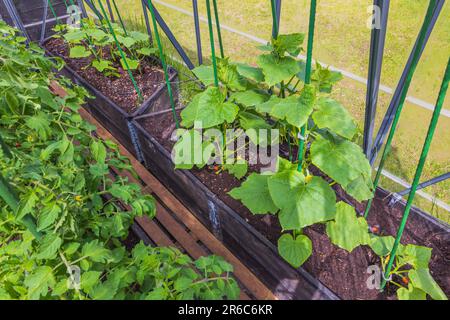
[(62, 217)]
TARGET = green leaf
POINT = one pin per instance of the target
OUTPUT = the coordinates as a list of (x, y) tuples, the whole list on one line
[(132, 64), (48, 216), (301, 204), (128, 42), (7, 194), (277, 69), (98, 170), (297, 251), (332, 115), (296, 110), (41, 124), (12, 101), (102, 65), (267, 106), (104, 291), (239, 170), (49, 246), (95, 251), (79, 52), (98, 151), (146, 51), (139, 36), (411, 293), (249, 98), (252, 121), (229, 76), (382, 246), (210, 109), (182, 283), (60, 288), (205, 74), (26, 205), (157, 294), (89, 279), (422, 279), (417, 256), (348, 231), (250, 72), (39, 281), (254, 194), (343, 161), (290, 43), (74, 36)]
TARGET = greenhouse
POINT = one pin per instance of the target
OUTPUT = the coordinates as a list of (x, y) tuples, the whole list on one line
[(224, 150)]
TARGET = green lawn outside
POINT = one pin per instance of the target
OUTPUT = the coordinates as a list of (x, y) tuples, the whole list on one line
[(342, 40)]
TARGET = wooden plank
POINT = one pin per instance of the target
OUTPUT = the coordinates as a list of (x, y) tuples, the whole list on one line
[(154, 232), (179, 233), (247, 278), (185, 239)]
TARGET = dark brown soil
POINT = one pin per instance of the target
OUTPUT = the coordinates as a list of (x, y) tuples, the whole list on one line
[(119, 89), (344, 273)]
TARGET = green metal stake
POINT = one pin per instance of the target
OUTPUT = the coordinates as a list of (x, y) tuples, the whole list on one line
[(120, 17), (274, 19), (163, 62), (121, 51), (53, 11), (211, 40), (402, 99), (219, 34), (423, 157), (312, 22)]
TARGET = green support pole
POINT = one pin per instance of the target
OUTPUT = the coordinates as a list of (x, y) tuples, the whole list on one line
[(274, 19), (163, 62), (312, 23), (211, 40), (402, 99), (53, 11), (120, 17), (423, 157), (219, 33), (121, 51)]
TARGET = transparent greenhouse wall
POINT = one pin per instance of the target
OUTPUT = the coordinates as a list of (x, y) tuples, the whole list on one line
[(342, 40)]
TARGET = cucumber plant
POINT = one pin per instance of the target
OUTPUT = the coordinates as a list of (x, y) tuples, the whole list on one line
[(56, 173), (273, 95), (411, 274), (93, 40)]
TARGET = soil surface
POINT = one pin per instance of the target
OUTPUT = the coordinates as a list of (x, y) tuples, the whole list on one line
[(119, 89), (344, 273)]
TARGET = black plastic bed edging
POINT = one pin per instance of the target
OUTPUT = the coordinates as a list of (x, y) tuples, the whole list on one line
[(112, 116), (251, 247)]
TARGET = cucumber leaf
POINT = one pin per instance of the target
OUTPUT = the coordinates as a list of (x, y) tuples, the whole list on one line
[(295, 251)]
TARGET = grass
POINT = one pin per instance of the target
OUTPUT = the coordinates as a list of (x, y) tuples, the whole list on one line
[(342, 39)]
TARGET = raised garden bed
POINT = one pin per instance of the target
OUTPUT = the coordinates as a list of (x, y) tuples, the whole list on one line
[(115, 101), (330, 272)]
